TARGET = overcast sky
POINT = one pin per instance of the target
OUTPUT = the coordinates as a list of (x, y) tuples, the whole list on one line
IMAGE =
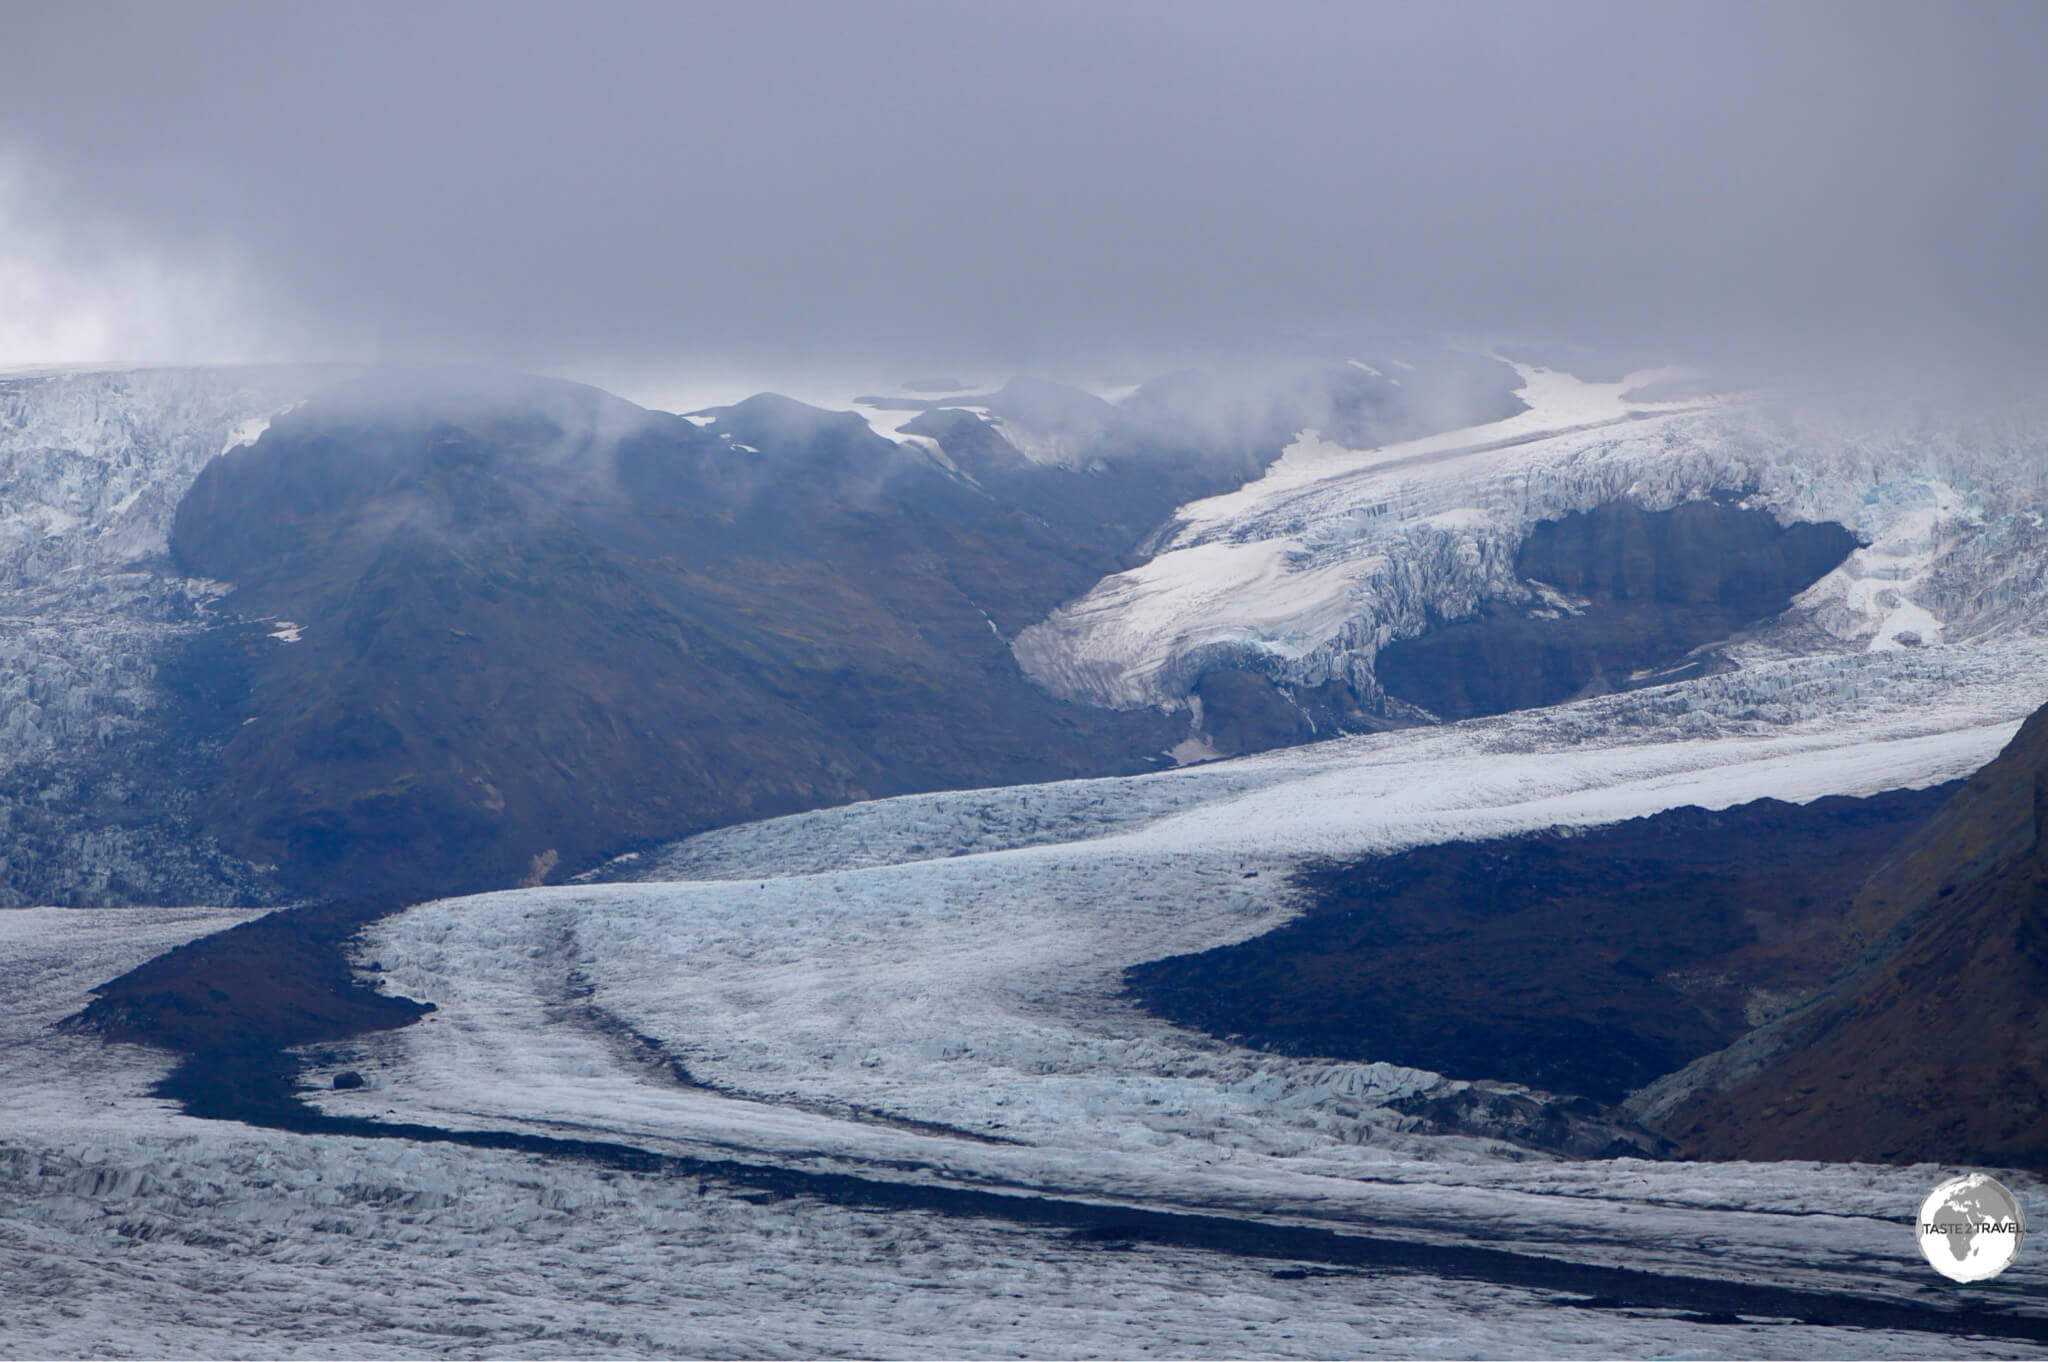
[(728, 188)]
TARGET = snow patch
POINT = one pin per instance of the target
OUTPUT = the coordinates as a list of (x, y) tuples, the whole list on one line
[(251, 430)]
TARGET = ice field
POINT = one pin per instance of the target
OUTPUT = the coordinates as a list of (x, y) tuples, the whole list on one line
[(882, 989), (848, 1001), (927, 988), (1313, 568), (925, 992)]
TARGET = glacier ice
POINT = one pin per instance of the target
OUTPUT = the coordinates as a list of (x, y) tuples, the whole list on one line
[(928, 988), (92, 466), (1306, 573), (129, 1229)]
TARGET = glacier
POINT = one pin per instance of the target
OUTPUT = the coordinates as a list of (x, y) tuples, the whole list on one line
[(973, 988), (926, 991), (1306, 573), (91, 469), (92, 466), (928, 988)]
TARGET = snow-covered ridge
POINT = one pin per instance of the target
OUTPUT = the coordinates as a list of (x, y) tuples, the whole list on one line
[(1308, 572)]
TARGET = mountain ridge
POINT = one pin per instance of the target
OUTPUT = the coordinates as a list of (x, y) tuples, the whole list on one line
[(534, 632), (1932, 1046)]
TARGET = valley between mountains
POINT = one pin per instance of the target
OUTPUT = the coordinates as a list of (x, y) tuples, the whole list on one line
[(1250, 866)]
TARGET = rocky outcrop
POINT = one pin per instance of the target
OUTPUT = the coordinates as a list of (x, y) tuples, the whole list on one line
[(1580, 961), (1932, 1045), (1621, 597)]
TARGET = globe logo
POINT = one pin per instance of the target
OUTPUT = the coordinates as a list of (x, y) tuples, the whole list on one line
[(1970, 1228)]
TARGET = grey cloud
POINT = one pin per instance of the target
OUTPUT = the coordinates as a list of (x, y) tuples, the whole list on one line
[(635, 187)]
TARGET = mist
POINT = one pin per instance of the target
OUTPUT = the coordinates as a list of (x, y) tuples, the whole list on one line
[(664, 198)]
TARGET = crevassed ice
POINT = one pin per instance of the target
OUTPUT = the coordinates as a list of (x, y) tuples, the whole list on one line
[(1314, 568)]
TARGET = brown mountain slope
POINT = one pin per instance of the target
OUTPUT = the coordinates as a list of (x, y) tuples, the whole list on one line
[(532, 625), (1585, 960), (535, 625), (1934, 1044)]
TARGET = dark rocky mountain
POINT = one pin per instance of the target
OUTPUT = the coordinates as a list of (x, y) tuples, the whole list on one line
[(1623, 598), (1584, 961), (1933, 1044), (537, 625), (489, 630), (1110, 505)]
